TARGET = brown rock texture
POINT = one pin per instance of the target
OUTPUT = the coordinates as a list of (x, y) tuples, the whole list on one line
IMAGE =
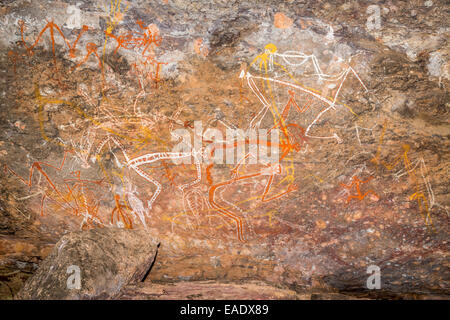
[(99, 100), (199, 290), (106, 259)]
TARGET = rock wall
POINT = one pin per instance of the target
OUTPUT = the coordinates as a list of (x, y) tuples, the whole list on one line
[(117, 114)]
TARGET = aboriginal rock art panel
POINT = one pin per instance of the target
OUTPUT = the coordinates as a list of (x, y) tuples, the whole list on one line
[(118, 158)]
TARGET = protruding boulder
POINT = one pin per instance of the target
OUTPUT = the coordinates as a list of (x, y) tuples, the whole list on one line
[(93, 264)]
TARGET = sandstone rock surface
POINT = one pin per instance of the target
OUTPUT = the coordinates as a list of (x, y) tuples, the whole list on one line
[(92, 264), (94, 94)]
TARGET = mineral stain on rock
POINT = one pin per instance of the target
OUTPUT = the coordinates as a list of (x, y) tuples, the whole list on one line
[(115, 120)]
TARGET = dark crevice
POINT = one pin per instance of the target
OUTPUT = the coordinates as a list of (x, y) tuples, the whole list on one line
[(152, 264)]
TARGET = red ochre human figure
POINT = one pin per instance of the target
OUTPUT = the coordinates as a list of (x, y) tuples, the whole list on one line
[(52, 27), (141, 40), (38, 166), (129, 41), (147, 37), (292, 140), (270, 170), (122, 216), (91, 48), (357, 182), (84, 206), (73, 199), (141, 68)]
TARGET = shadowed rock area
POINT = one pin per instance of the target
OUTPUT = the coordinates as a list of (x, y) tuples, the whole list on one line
[(115, 119)]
